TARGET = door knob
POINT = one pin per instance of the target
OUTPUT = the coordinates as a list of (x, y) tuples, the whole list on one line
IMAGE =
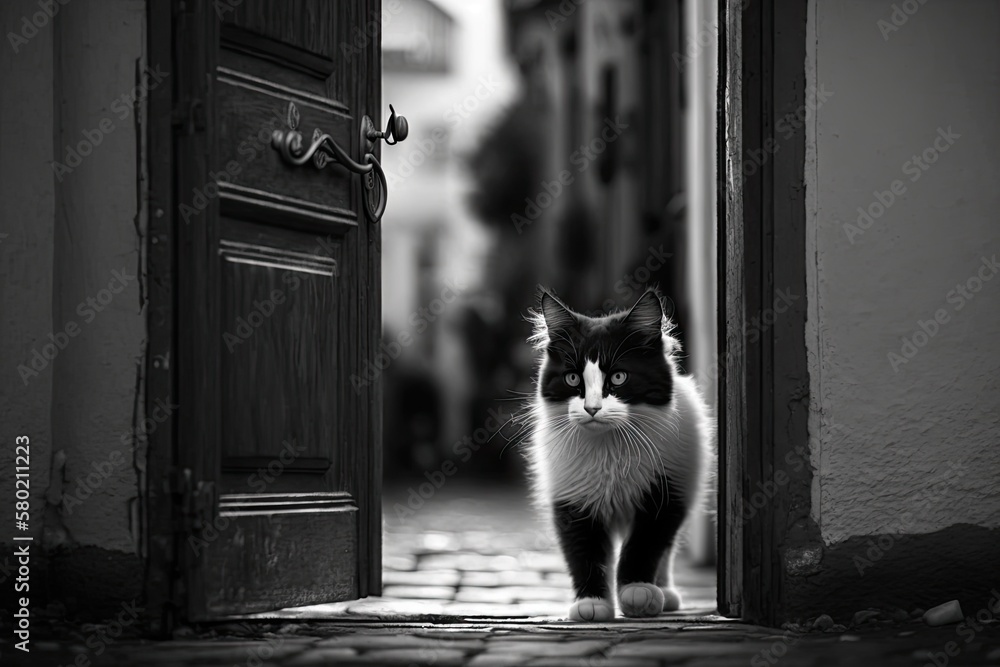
[(323, 149), (396, 129)]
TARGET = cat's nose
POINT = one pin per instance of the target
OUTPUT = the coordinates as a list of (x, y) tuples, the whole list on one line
[(592, 410)]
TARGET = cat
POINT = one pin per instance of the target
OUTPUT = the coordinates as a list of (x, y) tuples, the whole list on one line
[(619, 450)]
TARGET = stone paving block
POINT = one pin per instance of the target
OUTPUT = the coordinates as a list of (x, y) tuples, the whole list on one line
[(468, 561), (371, 641), (488, 609), (542, 561), (322, 656), (218, 652), (399, 656), (419, 592), (495, 660), (546, 638), (501, 595), (531, 649), (392, 608), (549, 609), (439, 542), (636, 637), (448, 634), (421, 578), (401, 563), (541, 593), (502, 578), (664, 649), (593, 661)]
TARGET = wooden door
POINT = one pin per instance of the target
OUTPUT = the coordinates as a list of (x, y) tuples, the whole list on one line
[(278, 306)]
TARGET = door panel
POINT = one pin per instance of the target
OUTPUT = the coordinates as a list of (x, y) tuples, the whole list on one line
[(251, 108), (282, 550), (279, 306), (292, 327)]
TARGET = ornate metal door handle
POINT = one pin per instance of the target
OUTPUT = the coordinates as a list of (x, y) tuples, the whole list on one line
[(323, 150)]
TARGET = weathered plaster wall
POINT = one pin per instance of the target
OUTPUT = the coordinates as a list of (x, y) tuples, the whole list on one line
[(26, 233), (97, 266), (904, 444), (70, 173)]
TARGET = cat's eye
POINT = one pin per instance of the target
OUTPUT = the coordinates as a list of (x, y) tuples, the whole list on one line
[(572, 379), (618, 378)]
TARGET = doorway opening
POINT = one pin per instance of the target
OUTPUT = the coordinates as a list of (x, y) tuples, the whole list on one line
[(568, 148)]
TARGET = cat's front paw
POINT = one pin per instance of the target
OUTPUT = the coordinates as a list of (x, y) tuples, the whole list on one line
[(671, 599), (591, 609), (640, 600)]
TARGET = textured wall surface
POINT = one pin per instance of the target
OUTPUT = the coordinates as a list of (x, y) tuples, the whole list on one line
[(26, 229), (97, 272), (904, 434)]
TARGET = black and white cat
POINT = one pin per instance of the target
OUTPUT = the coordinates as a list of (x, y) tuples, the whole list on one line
[(620, 446)]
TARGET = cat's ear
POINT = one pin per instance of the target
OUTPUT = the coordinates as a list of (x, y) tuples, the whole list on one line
[(557, 316), (550, 317), (647, 314)]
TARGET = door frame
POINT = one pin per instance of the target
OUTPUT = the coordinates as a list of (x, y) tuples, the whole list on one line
[(164, 512), (764, 387), (159, 543), (761, 221)]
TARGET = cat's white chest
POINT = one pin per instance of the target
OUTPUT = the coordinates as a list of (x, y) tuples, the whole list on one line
[(604, 473)]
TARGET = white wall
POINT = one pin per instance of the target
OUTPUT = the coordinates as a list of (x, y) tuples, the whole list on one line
[(884, 435)]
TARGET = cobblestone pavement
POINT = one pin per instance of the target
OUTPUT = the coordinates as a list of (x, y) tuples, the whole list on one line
[(475, 552), (474, 579)]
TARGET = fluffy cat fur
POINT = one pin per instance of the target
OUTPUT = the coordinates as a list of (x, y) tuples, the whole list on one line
[(620, 445)]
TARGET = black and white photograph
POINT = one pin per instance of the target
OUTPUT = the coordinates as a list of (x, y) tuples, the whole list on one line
[(490, 333)]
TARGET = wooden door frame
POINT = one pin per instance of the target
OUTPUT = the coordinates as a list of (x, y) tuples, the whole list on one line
[(761, 244), (161, 452), (764, 389), (169, 112)]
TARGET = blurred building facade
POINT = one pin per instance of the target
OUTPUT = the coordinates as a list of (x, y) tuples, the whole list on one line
[(445, 69), (571, 146)]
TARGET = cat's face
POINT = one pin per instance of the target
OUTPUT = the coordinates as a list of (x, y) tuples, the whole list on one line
[(602, 373)]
